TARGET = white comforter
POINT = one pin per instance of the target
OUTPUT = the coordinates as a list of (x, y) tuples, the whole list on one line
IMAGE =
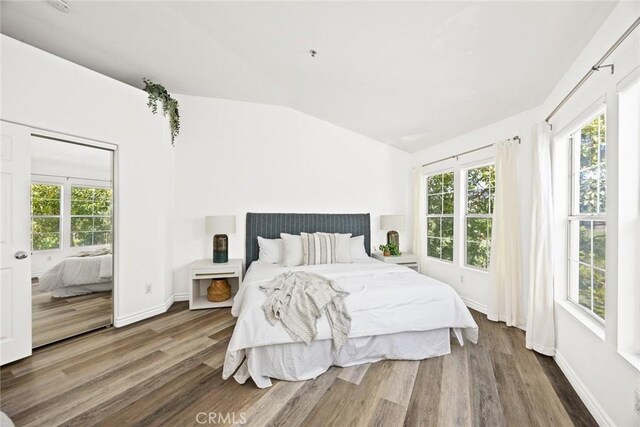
[(384, 299), (76, 271)]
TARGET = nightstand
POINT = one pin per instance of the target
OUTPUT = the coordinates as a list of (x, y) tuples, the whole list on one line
[(203, 271), (406, 259)]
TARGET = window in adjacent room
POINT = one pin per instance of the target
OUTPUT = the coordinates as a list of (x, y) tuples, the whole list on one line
[(45, 216), (440, 193), (587, 216), (90, 216), (480, 191)]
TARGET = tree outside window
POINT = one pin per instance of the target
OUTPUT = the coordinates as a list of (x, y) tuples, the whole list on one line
[(440, 208), (46, 200), (587, 220), (480, 192), (90, 216)]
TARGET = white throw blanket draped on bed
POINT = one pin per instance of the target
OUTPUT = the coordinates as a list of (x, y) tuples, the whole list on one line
[(297, 299)]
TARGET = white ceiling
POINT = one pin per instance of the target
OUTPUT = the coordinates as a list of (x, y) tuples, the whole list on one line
[(409, 74)]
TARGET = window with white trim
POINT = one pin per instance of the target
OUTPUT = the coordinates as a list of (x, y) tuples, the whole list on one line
[(440, 208), (587, 222), (480, 192), (46, 203), (90, 216)]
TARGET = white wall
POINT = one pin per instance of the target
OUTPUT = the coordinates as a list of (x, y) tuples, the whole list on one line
[(472, 284), (600, 373), (603, 378), (64, 164), (43, 91), (235, 157)]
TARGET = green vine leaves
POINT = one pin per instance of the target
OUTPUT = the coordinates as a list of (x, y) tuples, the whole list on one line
[(157, 92)]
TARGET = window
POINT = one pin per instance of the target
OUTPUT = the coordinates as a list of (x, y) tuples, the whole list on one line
[(45, 216), (480, 192), (587, 216), (440, 216), (90, 216)]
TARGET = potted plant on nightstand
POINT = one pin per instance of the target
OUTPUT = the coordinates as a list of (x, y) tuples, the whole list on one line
[(390, 249)]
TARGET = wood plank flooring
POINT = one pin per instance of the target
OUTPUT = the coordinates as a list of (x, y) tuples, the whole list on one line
[(58, 318), (168, 371)]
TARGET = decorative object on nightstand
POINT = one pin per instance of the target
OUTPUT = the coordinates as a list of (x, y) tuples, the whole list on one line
[(220, 226), (219, 290), (209, 283), (406, 259), (389, 250), (392, 223)]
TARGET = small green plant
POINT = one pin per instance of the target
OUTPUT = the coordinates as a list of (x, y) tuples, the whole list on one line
[(157, 92), (390, 249)]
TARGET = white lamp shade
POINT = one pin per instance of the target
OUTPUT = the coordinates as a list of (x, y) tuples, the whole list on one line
[(392, 222), (221, 224)]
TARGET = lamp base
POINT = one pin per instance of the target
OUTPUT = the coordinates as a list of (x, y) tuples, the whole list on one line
[(220, 248), (393, 238)]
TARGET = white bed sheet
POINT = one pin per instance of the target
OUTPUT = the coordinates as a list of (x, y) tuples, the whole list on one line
[(384, 299), (77, 271)]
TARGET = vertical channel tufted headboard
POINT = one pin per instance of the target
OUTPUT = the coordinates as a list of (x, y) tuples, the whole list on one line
[(270, 225)]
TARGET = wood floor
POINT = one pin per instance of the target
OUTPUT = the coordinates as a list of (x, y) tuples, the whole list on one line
[(167, 371), (58, 318)]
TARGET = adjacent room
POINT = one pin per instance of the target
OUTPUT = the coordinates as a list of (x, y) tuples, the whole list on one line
[(320, 213)]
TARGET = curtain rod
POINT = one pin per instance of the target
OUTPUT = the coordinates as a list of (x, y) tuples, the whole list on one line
[(596, 67), (515, 138), (70, 177)]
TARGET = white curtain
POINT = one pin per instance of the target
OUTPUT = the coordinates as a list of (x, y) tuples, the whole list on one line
[(540, 318), (505, 275), (419, 212)]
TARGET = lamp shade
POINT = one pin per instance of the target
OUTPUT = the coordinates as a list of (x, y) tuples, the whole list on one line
[(221, 224), (392, 222)]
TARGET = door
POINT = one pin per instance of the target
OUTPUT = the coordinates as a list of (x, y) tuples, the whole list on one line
[(15, 244)]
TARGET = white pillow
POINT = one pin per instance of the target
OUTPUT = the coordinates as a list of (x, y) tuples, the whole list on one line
[(292, 253), (357, 248), (343, 247), (270, 250)]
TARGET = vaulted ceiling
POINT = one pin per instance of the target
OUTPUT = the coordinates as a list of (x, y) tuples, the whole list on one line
[(409, 74)]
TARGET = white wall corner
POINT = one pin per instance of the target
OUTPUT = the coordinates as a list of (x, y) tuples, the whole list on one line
[(598, 412)]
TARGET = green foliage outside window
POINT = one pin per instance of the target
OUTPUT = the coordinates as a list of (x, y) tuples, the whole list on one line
[(45, 216), (440, 203), (480, 199), (90, 216), (590, 200)]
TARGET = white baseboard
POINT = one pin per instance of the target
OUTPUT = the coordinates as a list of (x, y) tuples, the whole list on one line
[(145, 314), (119, 322), (598, 412), (475, 305), (181, 297)]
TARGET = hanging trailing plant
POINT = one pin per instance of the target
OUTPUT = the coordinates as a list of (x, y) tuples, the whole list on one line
[(157, 92)]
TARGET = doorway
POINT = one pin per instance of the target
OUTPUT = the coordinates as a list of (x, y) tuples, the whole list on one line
[(72, 234)]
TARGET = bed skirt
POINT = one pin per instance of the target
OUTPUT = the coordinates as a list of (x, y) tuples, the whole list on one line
[(299, 361)]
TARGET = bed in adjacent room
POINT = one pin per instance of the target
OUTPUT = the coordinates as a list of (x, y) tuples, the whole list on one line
[(80, 274), (396, 313)]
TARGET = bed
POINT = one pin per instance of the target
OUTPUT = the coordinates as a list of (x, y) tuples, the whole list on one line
[(79, 275), (396, 312)]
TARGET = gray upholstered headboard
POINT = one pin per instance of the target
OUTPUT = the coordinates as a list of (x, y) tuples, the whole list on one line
[(270, 225)]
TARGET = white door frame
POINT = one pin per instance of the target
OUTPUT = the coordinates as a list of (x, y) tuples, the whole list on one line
[(94, 143)]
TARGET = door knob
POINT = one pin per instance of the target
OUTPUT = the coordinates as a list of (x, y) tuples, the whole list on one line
[(21, 255)]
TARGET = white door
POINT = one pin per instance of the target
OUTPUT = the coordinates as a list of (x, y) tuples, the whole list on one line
[(15, 243)]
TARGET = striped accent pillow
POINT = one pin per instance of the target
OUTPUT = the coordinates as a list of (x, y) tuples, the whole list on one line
[(318, 248)]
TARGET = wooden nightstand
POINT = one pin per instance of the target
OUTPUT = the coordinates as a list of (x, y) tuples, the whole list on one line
[(203, 271), (406, 259)]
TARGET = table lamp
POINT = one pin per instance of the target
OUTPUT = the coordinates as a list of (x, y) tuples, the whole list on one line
[(392, 223), (219, 226)]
